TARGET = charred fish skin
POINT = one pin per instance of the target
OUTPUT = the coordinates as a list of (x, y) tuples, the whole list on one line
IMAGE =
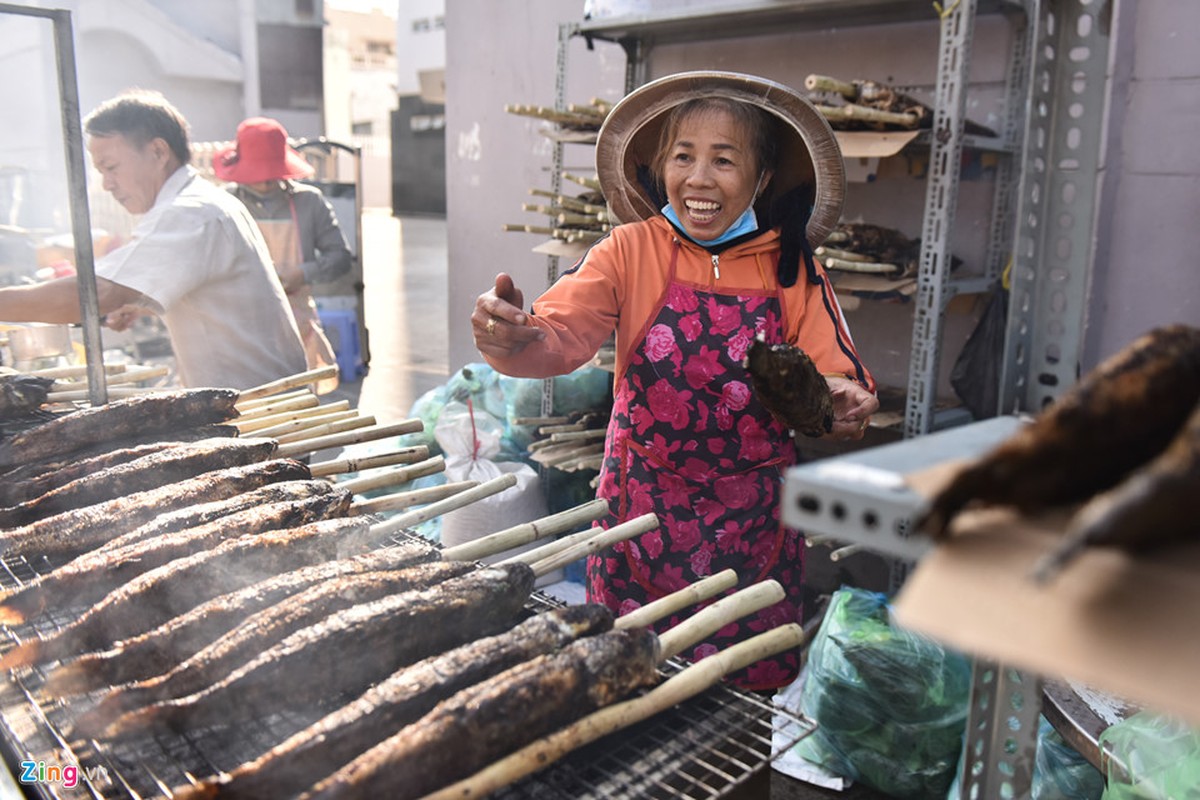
[(259, 632), (402, 698), (498, 716), (1156, 505), (159, 650), (152, 471), (20, 395), (180, 585), (73, 532), (157, 411), (790, 386), (15, 490), (348, 651), (1116, 418), (93, 575)]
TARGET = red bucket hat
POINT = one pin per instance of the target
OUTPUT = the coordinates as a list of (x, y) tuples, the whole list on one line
[(261, 153)]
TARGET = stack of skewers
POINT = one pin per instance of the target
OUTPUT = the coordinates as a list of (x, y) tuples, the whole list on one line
[(870, 249), (574, 219), (867, 105), (184, 571), (569, 443)]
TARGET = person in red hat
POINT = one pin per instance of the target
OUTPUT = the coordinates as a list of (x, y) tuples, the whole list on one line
[(296, 220), (195, 257)]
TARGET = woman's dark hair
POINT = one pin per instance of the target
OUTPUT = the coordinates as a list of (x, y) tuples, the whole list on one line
[(141, 116)]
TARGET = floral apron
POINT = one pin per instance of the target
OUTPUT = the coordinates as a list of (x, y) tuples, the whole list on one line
[(689, 442)]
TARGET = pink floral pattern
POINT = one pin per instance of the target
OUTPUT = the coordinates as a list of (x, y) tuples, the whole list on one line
[(691, 443)]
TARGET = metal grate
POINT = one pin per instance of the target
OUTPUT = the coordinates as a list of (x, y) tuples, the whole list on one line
[(703, 748)]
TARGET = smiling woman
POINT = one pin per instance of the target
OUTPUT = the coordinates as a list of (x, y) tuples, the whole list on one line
[(724, 183)]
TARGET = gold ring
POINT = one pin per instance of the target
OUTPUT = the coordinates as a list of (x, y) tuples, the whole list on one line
[(491, 326)]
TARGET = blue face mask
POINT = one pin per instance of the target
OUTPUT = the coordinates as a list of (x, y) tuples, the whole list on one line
[(746, 223)]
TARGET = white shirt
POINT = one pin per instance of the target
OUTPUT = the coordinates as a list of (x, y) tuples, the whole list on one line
[(200, 262)]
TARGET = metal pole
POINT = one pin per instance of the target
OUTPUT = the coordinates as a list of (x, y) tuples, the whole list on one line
[(81, 223)]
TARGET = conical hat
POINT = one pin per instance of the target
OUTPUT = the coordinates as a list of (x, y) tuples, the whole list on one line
[(629, 140)]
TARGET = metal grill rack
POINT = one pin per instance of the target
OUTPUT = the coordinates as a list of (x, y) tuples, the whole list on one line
[(703, 748)]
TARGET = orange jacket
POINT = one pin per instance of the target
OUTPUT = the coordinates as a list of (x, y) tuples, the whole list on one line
[(621, 282)]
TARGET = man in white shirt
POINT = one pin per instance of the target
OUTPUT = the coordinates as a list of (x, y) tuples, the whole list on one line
[(196, 257)]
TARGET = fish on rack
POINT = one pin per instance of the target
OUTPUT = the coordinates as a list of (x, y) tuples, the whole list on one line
[(174, 641), (790, 386), (402, 698), (348, 651)]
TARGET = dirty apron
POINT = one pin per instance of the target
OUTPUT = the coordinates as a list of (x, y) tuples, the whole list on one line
[(689, 442), (283, 241)]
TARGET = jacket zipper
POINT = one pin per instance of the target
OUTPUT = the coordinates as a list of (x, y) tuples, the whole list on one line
[(716, 259)]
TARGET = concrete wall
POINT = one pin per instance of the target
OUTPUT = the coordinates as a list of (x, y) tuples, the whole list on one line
[(1145, 272)]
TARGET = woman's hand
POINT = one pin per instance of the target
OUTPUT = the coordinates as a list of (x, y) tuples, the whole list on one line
[(852, 408), (499, 324)]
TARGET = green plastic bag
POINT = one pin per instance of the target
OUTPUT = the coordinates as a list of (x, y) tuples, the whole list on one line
[(1153, 757), (890, 705), (1060, 772)]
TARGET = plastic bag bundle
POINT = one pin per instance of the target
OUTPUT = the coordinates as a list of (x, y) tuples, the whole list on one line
[(585, 389), (1153, 757), (890, 705), (1060, 772)]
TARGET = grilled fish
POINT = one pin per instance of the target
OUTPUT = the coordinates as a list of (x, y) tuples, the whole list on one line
[(93, 575), (169, 465), (158, 650), (155, 411), (788, 384), (18, 490), (260, 631), (1157, 504), (1116, 418), (20, 395), (348, 651), (164, 592), (495, 717), (401, 699), (73, 532)]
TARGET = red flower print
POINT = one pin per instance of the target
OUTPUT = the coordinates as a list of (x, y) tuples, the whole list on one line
[(753, 440), (641, 418), (691, 327), (660, 343), (681, 300), (708, 509), (730, 538), (701, 368), (701, 560), (735, 395), (669, 404), (652, 543), (704, 650), (725, 318), (724, 422), (770, 673), (628, 606), (737, 491), (751, 304), (739, 344), (685, 535), (672, 491)]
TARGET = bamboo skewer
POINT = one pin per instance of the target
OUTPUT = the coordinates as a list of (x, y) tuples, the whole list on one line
[(591, 183), (487, 489), (125, 376), (414, 497), (869, 267), (578, 436), (858, 113), (644, 524), (825, 83), (395, 477), (291, 382), (326, 429), (541, 420), (75, 371), (707, 621), (293, 449), (275, 410), (405, 455), (677, 601), (690, 682), (618, 533), (247, 406), (82, 394), (309, 412), (295, 424), (527, 532)]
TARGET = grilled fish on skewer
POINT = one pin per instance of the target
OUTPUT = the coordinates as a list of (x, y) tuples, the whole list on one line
[(20, 395), (348, 651), (82, 529), (180, 585), (158, 411), (170, 465), (159, 650), (1119, 416), (95, 574), (788, 384), (402, 698), (111, 453), (498, 716), (260, 631), (15, 490), (1156, 504)]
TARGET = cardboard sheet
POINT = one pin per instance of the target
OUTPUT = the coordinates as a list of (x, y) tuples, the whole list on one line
[(1127, 626), (869, 144)]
